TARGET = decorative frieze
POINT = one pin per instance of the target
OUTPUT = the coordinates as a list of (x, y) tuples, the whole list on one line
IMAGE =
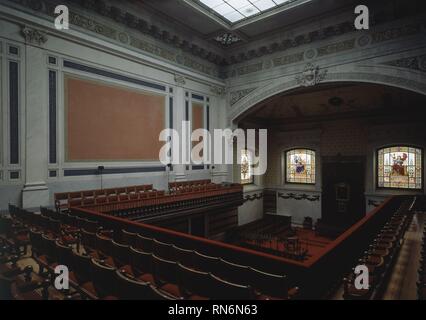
[(238, 95), (125, 38), (302, 196), (253, 197), (336, 47), (250, 69), (397, 32), (414, 63), (289, 59)]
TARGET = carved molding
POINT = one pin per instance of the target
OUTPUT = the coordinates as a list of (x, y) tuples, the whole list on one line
[(253, 197), (34, 36), (218, 90), (295, 196), (413, 63), (238, 95), (180, 80), (279, 86), (311, 75), (130, 20)]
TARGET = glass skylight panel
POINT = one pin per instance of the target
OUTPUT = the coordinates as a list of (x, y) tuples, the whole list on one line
[(264, 4), (236, 10), (234, 16), (249, 10), (212, 3), (238, 4), (223, 9), (281, 1)]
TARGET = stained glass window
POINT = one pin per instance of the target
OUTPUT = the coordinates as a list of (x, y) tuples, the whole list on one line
[(300, 166), (246, 167), (399, 167)]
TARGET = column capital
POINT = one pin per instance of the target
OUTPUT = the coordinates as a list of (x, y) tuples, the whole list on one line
[(34, 36)]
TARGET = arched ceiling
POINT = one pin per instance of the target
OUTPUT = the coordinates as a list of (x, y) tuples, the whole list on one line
[(328, 102)]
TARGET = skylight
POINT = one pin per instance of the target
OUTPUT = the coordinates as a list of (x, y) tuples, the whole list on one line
[(236, 10)]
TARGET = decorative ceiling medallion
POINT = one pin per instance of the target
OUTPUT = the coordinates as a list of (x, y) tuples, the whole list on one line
[(227, 39)]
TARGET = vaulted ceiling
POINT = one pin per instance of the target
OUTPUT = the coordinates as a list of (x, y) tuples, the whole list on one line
[(327, 102)]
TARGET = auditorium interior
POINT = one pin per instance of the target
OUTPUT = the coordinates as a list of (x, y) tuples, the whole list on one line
[(89, 211)]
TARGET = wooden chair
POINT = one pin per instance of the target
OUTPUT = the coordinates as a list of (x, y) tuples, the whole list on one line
[(133, 289), (64, 253), (104, 246), (183, 256), (205, 263), (193, 284), (165, 276), (235, 273), (80, 267), (120, 254), (268, 285), (145, 243), (224, 290), (104, 280), (88, 240), (141, 264), (162, 249), (129, 238)]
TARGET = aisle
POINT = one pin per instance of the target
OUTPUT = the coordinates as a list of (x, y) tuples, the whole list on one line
[(402, 284)]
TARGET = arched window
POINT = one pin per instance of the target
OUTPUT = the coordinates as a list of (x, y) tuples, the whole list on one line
[(246, 166), (400, 167), (300, 166)]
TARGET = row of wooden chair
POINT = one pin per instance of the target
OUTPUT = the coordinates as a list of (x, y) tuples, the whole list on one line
[(380, 257), (147, 265), (48, 249), (23, 282), (91, 277), (136, 247), (64, 200), (421, 282)]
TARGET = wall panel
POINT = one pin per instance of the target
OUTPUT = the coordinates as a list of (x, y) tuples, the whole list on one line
[(111, 123)]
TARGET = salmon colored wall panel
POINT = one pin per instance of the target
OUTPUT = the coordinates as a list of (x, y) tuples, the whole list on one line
[(197, 116), (197, 120), (112, 123)]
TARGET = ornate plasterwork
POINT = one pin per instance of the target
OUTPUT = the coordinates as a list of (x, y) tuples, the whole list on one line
[(238, 95), (218, 90), (130, 21), (311, 75), (180, 80), (296, 196), (137, 41), (253, 197), (226, 39), (285, 84), (34, 36), (414, 63)]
